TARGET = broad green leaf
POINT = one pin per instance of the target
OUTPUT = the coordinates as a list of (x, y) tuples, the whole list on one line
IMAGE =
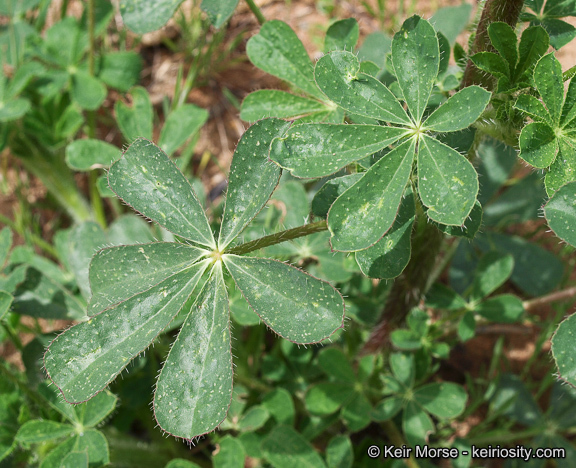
[(491, 63), (550, 85), (88, 356), (75, 460), (452, 20), (194, 388), (118, 273), (5, 244), (563, 169), (219, 11), (129, 229), (120, 70), (253, 419), (505, 308), (267, 103), (280, 405), (504, 40), (83, 242), (338, 76), (356, 413), (459, 111), (330, 191), (442, 297), (13, 109), (514, 400), (152, 184), (563, 349), (336, 365), (533, 107), (87, 91), (296, 306), (55, 457), (492, 271), (560, 32), (406, 340), (339, 452), (252, 178), (230, 453), (387, 408), (93, 442), (318, 150), (375, 47), (415, 55), (142, 17), (467, 326), (96, 409), (560, 212), (87, 154), (39, 430), (180, 125), (5, 303), (444, 400), (342, 35), (447, 182), (135, 121), (533, 45), (277, 50), (366, 211), (416, 424), (390, 255), (403, 368), (286, 448)]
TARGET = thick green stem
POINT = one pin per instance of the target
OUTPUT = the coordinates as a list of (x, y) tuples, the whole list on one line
[(257, 12), (279, 237), (507, 11)]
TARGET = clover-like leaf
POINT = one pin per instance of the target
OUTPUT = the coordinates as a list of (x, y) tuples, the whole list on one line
[(152, 184), (86, 154), (252, 178), (364, 212), (447, 182), (194, 388), (180, 125), (272, 288), (87, 357), (317, 150), (416, 58)]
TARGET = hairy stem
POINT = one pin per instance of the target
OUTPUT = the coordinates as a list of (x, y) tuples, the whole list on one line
[(507, 11), (279, 237)]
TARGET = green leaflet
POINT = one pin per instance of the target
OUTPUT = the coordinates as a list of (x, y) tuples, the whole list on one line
[(443, 400), (120, 70), (180, 125), (219, 11), (364, 212), (84, 359), (504, 40), (87, 91), (317, 150), (460, 111), (533, 45), (142, 16), (560, 212), (330, 191), (338, 76), (538, 144), (152, 184), (415, 56), (491, 63), (563, 349), (86, 154), (533, 107), (342, 35), (272, 288), (390, 255), (447, 182), (75, 460), (35, 431), (119, 272), (5, 303), (492, 271), (549, 82), (194, 388), (505, 308), (135, 121), (286, 448), (416, 424), (270, 102), (231, 453), (277, 50), (252, 178), (563, 169)]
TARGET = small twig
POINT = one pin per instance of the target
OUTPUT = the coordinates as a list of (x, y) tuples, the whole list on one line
[(565, 294), (257, 12)]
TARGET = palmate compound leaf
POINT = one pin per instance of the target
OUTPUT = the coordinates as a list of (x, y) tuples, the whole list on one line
[(194, 389), (318, 150), (364, 212), (149, 182), (252, 178), (297, 306), (447, 182), (88, 356)]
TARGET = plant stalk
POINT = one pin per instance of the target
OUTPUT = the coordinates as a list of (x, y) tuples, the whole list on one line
[(257, 12), (507, 11), (279, 237)]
